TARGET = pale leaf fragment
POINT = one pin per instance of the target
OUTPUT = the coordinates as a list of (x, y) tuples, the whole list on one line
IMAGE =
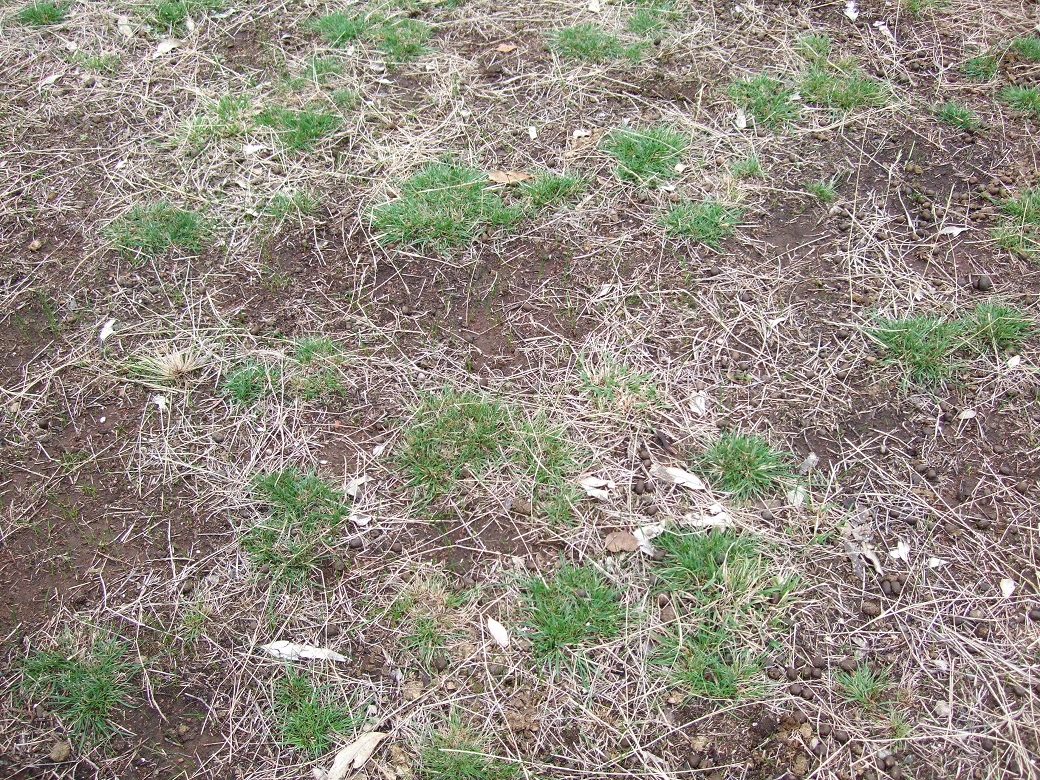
[(1007, 587), (107, 329), (505, 48), (851, 11), (677, 476), (291, 651), (966, 414), (1014, 361), (699, 403), (353, 756), (597, 487), (741, 120), (901, 552), (594, 6), (621, 541), (952, 230), (166, 45), (935, 563), (509, 177), (355, 484), (532, 132), (498, 633), (124, 27)]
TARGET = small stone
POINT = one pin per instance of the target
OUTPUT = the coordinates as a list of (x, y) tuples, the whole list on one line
[(396, 548), (60, 751), (521, 506), (1022, 487), (218, 437), (356, 543), (983, 283), (767, 515), (988, 743), (1006, 470)]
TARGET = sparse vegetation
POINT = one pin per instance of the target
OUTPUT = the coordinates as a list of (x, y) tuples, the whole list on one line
[(399, 38), (1024, 99), (826, 191), (300, 130), (707, 222), (767, 99), (746, 466), (309, 717), (1019, 230), (250, 382), (1027, 47), (589, 43), (171, 16), (550, 190), (573, 607), (980, 68), (998, 327), (647, 156), (865, 686), (956, 115), (152, 229), (455, 752), (42, 13), (923, 345)]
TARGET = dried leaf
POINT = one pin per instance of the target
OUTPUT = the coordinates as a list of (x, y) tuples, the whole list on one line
[(741, 120), (379, 449), (716, 517), (796, 496), (250, 149), (646, 533), (161, 401), (506, 48), (532, 132), (124, 27), (509, 177), (621, 541), (851, 11), (1007, 587), (353, 756), (677, 476), (594, 6), (107, 329), (165, 47), (935, 563), (597, 487), (966, 414), (952, 230), (498, 632), (355, 484), (291, 651), (699, 403), (901, 552), (1014, 361)]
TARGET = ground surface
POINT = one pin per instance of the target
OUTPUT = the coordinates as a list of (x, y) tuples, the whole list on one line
[(149, 384)]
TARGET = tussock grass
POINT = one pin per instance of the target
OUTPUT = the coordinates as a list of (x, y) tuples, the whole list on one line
[(457, 752), (589, 43), (300, 130), (765, 98), (1020, 98), (707, 222), (746, 466), (149, 230), (309, 717), (924, 346), (42, 14), (1019, 230), (647, 156), (572, 607), (957, 115)]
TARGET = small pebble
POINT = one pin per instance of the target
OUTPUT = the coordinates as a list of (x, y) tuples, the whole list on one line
[(356, 543), (396, 547), (1022, 487), (983, 283)]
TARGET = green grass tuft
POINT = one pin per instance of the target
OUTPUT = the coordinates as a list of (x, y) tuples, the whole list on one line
[(229, 117), (83, 688), (341, 28), (982, 67), (307, 717), (304, 515), (747, 168), (575, 606), (401, 39), (924, 346), (825, 191), (1027, 47), (766, 99), (308, 349), (454, 433), (707, 222), (250, 382), (998, 327), (171, 16), (551, 190), (956, 115), (443, 206), (589, 43), (647, 156), (864, 686), (151, 230), (845, 89), (458, 753), (42, 13), (614, 386), (746, 466), (1025, 99), (300, 130)]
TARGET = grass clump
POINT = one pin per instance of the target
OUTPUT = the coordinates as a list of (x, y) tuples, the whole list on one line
[(304, 512), (42, 14), (864, 686), (294, 204), (982, 67), (589, 43), (152, 229), (300, 130), (551, 190), (826, 191), (309, 349), (453, 433), (576, 605), (401, 39), (647, 157), (1020, 223), (924, 346), (839, 84), (442, 206), (747, 168), (707, 222), (615, 386), (457, 753), (745, 465), (766, 99), (171, 16), (307, 717), (229, 117), (998, 327), (1024, 99), (1027, 47), (83, 688), (715, 647), (250, 382), (956, 115)]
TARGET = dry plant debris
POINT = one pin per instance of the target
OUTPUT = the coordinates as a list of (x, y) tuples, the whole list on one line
[(467, 390)]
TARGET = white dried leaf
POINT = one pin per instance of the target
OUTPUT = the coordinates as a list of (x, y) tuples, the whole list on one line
[(498, 633), (594, 6), (1014, 361), (809, 463), (353, 756), (124, 27), (50, 79), (250, 149), (1007, 587), (379, 449), (952, 230), (867, 551), (886, 30), (166, 45), (699, 403), (360, 520), (581, 133), (741, 120), (161, 401), (966, 414), (935, 563), (354, 485), (291, 651), (796, 496), (677, 476), (851, 11), (598, 487), (107, 329), (721, 520), (532, 132), (901, 552)]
